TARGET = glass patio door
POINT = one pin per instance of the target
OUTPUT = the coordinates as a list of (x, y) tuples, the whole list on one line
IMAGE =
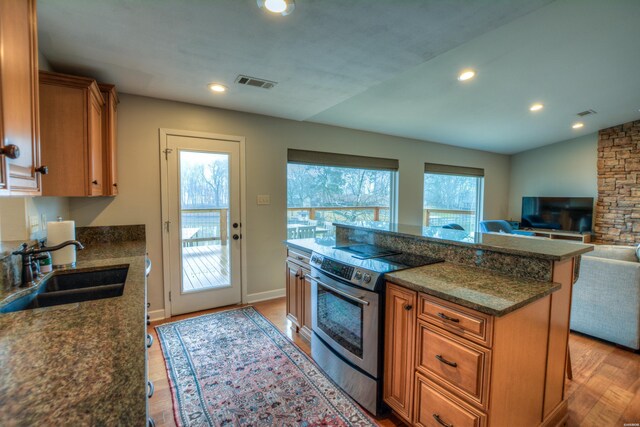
[(204, 223)]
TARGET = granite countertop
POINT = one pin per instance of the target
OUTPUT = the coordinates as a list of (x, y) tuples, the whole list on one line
[(471, 287), (80, 363), (308, 245), (534, 247)]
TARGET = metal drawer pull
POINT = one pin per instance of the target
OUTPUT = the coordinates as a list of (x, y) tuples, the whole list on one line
[(149, 340), (439, 420), (445, 361), (151, 422), (450, 319), (150, 393), (338, 291)]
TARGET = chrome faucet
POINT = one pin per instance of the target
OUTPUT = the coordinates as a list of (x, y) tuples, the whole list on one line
[(27, 254)]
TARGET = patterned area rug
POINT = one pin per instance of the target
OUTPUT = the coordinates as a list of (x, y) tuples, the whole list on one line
[(234, 368)]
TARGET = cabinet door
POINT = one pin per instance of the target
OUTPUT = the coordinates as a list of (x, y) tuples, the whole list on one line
[(305, 290), (19, 92), (399, 349), (95, 146), (109, 138), (293, 297)]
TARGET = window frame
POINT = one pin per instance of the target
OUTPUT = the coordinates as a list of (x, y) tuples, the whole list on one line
[(459, 171)]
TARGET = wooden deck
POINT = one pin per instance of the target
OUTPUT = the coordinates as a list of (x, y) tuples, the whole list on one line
[(205, 267)]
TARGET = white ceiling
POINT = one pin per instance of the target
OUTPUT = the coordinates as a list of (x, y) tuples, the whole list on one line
[(382, 66)]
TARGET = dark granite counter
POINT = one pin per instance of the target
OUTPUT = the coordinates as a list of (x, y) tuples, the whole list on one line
[(471, 287), (308, 245), (80, 363), (534, 247)]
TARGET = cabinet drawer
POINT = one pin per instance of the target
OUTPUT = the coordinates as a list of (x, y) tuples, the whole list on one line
[(437, 408), (299, 256), (457, 363), (461, 321)]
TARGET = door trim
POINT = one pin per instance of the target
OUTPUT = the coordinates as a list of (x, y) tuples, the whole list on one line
[(164, 133)]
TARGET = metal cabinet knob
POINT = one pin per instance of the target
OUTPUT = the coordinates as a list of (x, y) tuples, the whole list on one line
[(115, 185), (94, 182), (408, 307), (235, 225), (236, 236), (11, 151), (44, 170)]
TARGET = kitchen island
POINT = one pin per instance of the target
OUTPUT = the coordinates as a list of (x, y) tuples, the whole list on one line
[(79, 363), (479, 339)]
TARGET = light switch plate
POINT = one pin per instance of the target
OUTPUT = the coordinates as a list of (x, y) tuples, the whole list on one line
[(263, 199), (34, 223)]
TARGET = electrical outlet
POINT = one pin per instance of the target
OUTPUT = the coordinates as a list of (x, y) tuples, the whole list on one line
[(263, 199)]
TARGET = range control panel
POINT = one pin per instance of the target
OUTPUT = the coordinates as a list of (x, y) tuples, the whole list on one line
[(350, 273)]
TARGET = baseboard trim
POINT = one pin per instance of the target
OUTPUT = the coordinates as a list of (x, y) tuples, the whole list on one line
[(155, 315), (264, 296)]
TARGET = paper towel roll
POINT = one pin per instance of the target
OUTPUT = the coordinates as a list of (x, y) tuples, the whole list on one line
[(58, 232)]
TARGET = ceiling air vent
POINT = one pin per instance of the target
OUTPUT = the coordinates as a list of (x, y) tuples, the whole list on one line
[(255, 82), (586, 113)]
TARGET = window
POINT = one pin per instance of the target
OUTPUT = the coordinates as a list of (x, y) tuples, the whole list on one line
[(326, 187), (453, 195)]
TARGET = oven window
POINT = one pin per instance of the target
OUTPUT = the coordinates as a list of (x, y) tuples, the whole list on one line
[(341, 319)]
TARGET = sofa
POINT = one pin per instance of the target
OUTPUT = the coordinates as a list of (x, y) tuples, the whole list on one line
[(606, 297), (501, 226)]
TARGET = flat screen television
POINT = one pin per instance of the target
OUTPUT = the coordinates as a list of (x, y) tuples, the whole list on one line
[(558, 213)]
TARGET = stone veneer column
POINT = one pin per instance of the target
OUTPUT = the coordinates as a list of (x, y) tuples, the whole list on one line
[(617, 218)]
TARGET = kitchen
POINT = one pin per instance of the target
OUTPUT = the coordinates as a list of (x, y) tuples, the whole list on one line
[(141, 114)]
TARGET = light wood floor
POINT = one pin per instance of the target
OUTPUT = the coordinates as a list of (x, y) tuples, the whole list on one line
[(205, 267), (605, 390)]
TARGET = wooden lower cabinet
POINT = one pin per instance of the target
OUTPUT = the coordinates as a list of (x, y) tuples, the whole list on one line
[(447, 365), (399, 365), (436, 407), (298, 292), (293, 293)]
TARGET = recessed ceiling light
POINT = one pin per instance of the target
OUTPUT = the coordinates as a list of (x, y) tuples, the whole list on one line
[(282, 7), (536, 107), (217, 87), (577, 125), (466, 75)]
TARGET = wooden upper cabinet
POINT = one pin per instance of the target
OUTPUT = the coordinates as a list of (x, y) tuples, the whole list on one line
[(71, 123), (19, 98), (109, 138)]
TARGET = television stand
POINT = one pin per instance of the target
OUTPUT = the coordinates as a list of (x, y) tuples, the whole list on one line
[(562, 235)]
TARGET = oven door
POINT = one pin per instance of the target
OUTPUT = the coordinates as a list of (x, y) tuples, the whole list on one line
[(346, 318)]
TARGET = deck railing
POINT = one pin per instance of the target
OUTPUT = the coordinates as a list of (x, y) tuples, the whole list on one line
[(440, 217), (204, 225), (340, 213)]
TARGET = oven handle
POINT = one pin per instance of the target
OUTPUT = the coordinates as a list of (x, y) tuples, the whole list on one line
[(338, 291)]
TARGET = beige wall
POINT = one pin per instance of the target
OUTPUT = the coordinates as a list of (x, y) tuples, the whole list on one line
[(567, 168), (267, 140)]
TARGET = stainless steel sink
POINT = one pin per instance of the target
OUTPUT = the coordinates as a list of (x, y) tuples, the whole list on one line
[(66, 287)]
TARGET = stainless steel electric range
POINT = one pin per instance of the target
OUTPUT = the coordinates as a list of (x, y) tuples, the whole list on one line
[(347, 301)]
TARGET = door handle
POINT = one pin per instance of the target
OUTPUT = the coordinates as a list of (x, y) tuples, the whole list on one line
[(360, 300)]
